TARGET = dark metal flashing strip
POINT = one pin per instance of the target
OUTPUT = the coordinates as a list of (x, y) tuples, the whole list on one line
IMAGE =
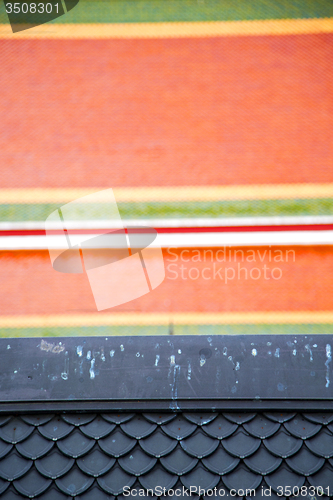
[(210, 405), (174, 373)]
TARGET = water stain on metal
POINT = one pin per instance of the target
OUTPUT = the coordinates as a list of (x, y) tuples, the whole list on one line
[(189, 371), (328, 361), (174, 388), (91, 370), (307, 347), (48, 347)]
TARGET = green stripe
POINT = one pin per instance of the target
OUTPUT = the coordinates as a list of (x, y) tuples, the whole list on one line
[(259, 329), (124, 11), (123, 330), (230, 208), (84, 331), (120, 11)]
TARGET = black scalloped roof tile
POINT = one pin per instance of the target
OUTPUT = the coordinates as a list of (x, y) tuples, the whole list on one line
[(200, 477), (158, 477), (98, 428), (138, 427), (35, 446), (330, 427), (55, 429), (76, 444), (96, 463), (319, 418), (284, 477), (265, 493), (95, 493), (220, 428), (15, 431), (140, 493), (220, 462), (323, 478), (54, 494), (181, 494), (159, 418), (54, 465), (305, 462), (116, 480), (10, 493), (279, 416), (178, 462), (4, 448), (78, 419), (222, 439), (282, 444), (321, 444), (137, 462), (239, 418), (158, 444), (261, 427), (262, 461), (221, 493), (74, 482), (117, 418), (241, 444), (199, 445), (14, 466), (37, 419), (200, 418), (179, 428), (302, 428), (117, 444), (32, 484), (4, 419), (242, 478)]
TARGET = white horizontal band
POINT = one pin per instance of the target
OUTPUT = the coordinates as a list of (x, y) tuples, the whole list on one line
[(175, 222), (189, 240)]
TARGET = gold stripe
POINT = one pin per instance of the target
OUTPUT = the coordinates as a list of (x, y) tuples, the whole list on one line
[(186, 193), (137, 319), (172, 29)]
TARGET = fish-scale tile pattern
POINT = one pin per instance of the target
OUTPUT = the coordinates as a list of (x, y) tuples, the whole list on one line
[(178, 462), (220, 428), (199, 444), (302, 428), (102, 456), (98, 428)]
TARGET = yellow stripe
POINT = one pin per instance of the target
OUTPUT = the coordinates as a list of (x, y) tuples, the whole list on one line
[(132, 319), (186, 193), (173, 29)]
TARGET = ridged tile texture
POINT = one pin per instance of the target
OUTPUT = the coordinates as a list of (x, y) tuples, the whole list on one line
[(99, 456)]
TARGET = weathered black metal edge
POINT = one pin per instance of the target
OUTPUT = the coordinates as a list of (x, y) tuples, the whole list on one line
[(174, 373), (18, 407)]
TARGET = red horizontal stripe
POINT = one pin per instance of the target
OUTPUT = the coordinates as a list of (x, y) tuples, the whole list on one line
[(219, 229)]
